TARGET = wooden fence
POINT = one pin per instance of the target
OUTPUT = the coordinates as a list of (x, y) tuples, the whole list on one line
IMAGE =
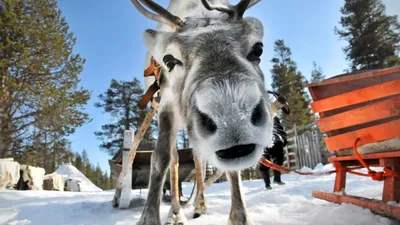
[(305, 147)]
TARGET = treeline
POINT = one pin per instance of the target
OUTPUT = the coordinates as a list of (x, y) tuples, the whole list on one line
[(94, 173)]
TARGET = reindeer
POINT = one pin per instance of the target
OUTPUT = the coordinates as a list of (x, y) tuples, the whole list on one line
[(212, 85)]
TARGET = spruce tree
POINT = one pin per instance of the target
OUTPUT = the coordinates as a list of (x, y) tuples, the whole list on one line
[(317, 74), (373, 37), (78, 162), (107, 182), (85, 160), (90, 172), (121, 100), (288, 81)]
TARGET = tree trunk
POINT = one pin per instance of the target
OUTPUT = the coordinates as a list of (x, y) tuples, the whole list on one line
[(3, 147)]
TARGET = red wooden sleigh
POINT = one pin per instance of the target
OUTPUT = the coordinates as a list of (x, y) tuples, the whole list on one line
[(361, 112)]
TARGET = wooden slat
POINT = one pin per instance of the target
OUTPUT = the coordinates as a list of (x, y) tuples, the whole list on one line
[(369, 113), (392, 154), (374, 205), (372, 134), (355, 76), (391, 186), (357, 96)]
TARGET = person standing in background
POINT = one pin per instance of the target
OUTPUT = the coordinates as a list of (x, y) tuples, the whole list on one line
[(276, 153)]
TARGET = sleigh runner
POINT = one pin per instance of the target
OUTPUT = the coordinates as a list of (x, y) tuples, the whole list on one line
[(360, 113)]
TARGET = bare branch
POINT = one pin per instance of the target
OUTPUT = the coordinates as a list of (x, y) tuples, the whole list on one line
[(21, 127), (25, 116)]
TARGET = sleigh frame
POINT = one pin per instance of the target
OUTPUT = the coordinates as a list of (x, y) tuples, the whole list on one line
[(361, 112)]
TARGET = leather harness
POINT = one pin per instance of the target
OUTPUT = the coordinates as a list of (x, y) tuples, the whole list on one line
[(155, 70)]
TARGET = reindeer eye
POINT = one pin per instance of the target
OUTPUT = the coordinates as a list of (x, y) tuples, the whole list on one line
[(170, 62), (256, 52)]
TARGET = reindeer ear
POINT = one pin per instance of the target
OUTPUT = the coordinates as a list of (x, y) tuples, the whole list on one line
[(150, 39), (156, 42)]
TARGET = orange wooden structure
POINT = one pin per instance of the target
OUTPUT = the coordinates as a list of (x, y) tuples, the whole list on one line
[(363, 106)]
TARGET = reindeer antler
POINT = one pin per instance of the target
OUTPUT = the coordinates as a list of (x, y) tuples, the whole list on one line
[(234, 11), (162, 16)]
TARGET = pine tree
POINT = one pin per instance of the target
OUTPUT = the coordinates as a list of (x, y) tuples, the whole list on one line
[(90, 172), (39, 74), (373, 37), (120, 100), (85, 161), (288, 81), (78, 162), (98, 177), (107, 182), (113, 183), (317, 73)]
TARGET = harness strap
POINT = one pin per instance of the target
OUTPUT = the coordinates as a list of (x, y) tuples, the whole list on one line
[(155, 70)]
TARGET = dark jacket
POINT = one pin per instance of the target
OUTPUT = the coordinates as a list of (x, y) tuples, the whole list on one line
[(279, 133), (279, 142)]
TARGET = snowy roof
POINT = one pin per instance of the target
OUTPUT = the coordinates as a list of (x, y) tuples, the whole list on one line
[(71, 172)]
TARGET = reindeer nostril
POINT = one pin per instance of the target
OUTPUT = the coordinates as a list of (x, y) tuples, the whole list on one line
[(258, 115), (207, 123)]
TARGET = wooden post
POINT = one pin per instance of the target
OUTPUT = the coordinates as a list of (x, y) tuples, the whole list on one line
[(132, 151), (340, 180), (298, 155), (127, 182), (391, 185)]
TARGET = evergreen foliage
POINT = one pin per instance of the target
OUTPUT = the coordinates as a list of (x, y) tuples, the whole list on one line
[(41, 102), (317, 74), (121, 100), (288, 81), (373, 37)]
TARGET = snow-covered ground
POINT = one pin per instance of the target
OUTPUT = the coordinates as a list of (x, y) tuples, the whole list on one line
[(291, 204)]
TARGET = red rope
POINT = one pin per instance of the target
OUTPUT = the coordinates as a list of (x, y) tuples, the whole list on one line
[(379, 176), (272, 165)]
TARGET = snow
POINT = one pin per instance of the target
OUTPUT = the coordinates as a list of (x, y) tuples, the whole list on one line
[(71, 172), (291, 204)]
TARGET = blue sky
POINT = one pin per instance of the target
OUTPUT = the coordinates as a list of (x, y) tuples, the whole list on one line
[(109, 36)]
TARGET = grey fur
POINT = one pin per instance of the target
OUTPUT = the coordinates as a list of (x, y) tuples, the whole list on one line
[(238, 214), (216, 81)]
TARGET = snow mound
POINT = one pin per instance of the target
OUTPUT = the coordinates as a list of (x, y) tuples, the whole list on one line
[(71, 172)]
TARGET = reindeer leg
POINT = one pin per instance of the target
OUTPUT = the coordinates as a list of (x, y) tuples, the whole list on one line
[(159, 163), (200, 202), (175, 215), (238, 214)]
